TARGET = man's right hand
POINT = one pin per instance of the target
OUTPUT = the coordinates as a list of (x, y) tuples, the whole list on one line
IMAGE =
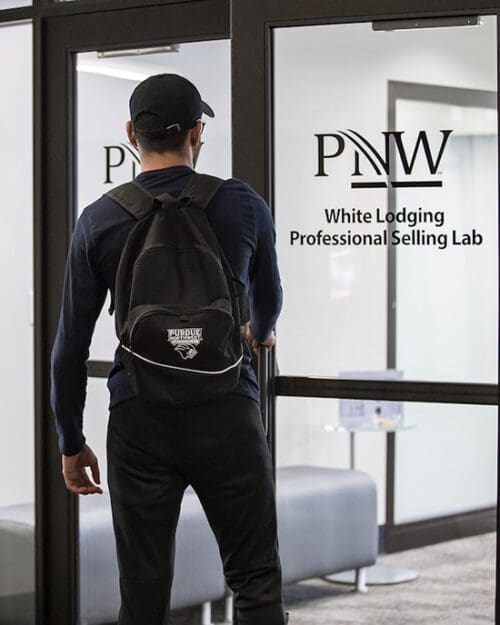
[(75, 475), (253, 343)]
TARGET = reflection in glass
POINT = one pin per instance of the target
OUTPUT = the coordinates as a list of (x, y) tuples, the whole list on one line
[(17, 486)]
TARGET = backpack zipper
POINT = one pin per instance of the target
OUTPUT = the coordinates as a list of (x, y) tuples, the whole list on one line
[(160, 364)]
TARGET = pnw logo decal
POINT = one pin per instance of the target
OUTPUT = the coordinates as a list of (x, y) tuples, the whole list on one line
[(185, 341), (382, 163), (118, 155)]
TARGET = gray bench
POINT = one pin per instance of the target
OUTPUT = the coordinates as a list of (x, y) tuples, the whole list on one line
[(327, 523), (198, 575)]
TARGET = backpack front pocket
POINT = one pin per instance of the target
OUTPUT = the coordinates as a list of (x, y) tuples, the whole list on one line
[(182, 354)]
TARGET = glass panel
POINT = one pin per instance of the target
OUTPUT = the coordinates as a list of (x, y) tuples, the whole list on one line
[(17, 487), (439, 316), (106, 159), (446, 463), (365, 170), (428, 482), (304, 438)]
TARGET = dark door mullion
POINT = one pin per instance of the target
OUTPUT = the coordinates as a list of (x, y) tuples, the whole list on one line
[(426, 392)]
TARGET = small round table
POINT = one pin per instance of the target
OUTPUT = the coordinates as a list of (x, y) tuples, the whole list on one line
[(376, 574)]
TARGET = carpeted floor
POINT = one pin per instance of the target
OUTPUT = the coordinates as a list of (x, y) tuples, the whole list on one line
[(455, 586)]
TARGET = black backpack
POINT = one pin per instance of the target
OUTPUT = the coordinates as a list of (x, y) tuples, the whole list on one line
[(178, 306)]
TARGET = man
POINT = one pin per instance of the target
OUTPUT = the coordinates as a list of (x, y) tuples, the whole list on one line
[(153, 453)]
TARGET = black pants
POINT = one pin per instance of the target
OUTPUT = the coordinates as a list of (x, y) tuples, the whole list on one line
[(220, 449)]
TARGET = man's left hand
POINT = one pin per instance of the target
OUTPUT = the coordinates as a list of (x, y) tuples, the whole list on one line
[(253, 343), (75, 475)]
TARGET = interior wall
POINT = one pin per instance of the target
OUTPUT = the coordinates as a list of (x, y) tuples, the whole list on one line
[(454, 313)]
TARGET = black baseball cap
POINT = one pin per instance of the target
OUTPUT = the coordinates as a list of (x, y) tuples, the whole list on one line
[(166, 103)]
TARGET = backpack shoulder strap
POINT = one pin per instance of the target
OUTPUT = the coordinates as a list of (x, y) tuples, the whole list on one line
[(138, 202), (135, 199), (200, 190)]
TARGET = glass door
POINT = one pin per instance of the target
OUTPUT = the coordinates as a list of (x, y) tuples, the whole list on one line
[(380, 138), (105, 160), (393, 210), (89, 90)]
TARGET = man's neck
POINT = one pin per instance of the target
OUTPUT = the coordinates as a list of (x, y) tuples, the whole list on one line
[(161, 161)]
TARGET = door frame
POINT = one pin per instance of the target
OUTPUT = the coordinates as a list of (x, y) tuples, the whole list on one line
[(61, 28), (252, 88), (61, 32)]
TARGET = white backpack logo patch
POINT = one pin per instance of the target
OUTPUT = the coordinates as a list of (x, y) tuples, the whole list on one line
[(185, 340)]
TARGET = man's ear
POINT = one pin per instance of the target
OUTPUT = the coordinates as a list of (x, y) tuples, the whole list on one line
[(131, 134), (195, 135)]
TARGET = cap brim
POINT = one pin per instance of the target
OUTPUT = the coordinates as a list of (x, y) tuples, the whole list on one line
[(205, 108)]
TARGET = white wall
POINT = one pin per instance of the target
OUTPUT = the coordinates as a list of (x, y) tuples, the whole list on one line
[(446, 327), (439, 333), (16, 275), (335, 77), (95, 419)]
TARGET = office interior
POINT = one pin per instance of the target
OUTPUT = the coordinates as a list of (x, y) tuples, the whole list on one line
[(381, 394)]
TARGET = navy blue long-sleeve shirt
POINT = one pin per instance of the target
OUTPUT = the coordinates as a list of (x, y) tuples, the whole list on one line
[(242, 222)]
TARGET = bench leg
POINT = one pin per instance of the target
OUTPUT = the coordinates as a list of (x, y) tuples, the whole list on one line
[(206, 613), (228, 607), (360, 579)]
